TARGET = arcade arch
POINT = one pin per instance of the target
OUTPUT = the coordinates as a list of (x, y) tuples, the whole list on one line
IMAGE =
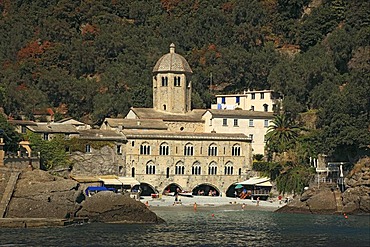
[(206, 190)]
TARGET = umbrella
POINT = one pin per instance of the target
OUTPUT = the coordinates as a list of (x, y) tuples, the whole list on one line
[(238, 186)]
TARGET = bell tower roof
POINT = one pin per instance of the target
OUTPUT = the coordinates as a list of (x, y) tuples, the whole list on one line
[(172, 62)]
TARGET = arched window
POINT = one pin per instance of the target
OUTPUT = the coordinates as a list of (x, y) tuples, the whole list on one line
[(229, 168), (164, 107), (180, 168), (266, 107), (150, 168), (240, 171), (189, 149), (164, 81), (212, 169), (167, 172), (196, 169), (133, 172), (212, 150), (164, 149), (145, 149), (235, 150), (177, 81)]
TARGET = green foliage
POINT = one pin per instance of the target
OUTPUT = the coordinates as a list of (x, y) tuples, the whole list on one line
[(94, 58), (281, 134), (52, 153), (10, 137), (268, 169), (294, 180), (76, 144)]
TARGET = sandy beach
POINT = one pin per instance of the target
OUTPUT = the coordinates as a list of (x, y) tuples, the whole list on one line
[(208, 202)]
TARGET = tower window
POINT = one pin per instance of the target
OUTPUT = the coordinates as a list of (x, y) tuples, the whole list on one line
[(177, 81), (164, 81)]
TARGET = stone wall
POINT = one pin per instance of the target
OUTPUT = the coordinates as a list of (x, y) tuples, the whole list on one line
[(104, 161)]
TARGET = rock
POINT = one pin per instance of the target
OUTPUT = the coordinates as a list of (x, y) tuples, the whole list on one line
[(111, 207), (40, 195), (313, 201), (356, 199)]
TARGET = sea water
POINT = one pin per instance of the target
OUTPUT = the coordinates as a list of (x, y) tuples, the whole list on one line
[(211, 227)]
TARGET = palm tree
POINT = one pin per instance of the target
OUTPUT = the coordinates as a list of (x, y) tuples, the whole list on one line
[(281, 134)]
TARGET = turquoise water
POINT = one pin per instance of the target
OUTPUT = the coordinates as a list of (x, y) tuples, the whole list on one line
[(188, 228)]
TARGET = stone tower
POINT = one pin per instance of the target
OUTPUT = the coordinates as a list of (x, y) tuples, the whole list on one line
[(172, 83)]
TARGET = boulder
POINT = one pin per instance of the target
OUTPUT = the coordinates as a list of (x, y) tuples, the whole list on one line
[(111, 207)]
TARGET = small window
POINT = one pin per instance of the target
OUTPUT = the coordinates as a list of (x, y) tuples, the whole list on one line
[(119, 149), (23, 129), (177, 81), (235, 150), (46, 136), (251, 123), (223, 100), (164, 108), (224, 122), (150, 169), (132, 143), (240, 171), (266, 123), (262, 95), (164, 81), (253, 96), (265, 107), (236, 122), (88, 148), (237, 100), (189, 150)]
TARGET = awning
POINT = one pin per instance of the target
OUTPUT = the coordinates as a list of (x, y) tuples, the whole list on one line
[(265, 184), (128, 181), (110, 181), (254, 181), (238, 186)]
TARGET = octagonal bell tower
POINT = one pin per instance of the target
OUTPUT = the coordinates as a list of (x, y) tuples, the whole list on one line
[(172, 83)]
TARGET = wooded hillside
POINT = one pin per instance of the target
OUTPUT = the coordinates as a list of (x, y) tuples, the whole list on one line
[(90, 59)]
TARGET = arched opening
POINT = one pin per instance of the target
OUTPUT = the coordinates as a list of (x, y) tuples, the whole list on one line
[(171, 189), (206, 190), (230, 192), (147, 189), (167, 172), (133, 172)]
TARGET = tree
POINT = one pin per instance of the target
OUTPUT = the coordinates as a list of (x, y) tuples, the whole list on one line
[(281, 134)]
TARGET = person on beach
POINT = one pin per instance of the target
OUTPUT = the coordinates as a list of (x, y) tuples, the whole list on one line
[(147, 204), (195, 206), (243, 206), (258, 201)]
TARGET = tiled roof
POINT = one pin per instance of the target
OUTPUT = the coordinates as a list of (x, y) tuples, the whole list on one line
[(149, 113), (241, 113), (172, 62), (136, 123), (97, 134), (21, 122), (52, 128)]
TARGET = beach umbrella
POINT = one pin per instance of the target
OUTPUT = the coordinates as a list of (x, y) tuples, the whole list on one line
[(238, 186)]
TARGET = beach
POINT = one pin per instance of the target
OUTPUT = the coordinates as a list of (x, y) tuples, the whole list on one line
[(208, 202)]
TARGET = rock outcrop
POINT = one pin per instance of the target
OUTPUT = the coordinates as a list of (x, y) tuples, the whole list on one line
[(41, 195), (313, 201), (111, 207), (356, 198), (328, 200)]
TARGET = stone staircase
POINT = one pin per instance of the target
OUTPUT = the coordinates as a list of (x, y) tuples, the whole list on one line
[(338, 200), (8, 192)]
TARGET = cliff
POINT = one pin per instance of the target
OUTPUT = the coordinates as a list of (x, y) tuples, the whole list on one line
[(41, 195)]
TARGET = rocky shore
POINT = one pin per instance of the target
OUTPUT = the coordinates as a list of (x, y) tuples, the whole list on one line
[(329, 200), (40, 195)]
